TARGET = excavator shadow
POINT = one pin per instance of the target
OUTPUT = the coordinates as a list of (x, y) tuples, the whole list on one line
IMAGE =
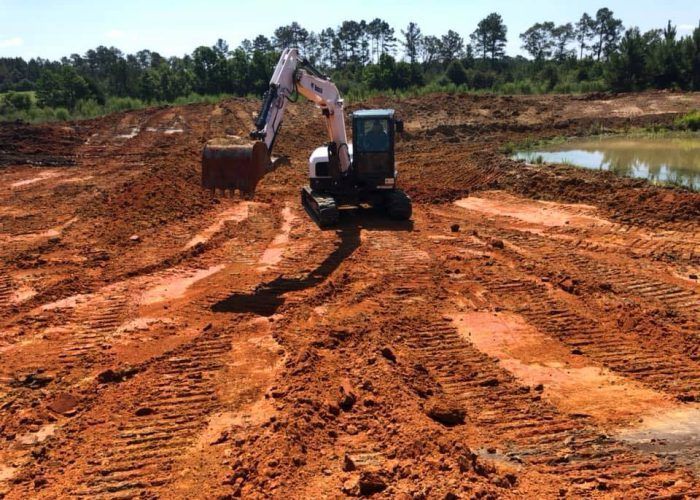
[(267, 298)]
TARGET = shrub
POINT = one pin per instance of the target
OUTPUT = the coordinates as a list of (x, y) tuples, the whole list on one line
[(88, 108), (20, 101), (456, 73), (521, 87), (508, 148), (479, 79), (62, 114), (691, 121), (115, 104)]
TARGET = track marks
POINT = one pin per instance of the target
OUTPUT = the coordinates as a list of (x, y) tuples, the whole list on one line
[(622, 353), (505, 413), (173, 410), (6, 291), (97, 322)]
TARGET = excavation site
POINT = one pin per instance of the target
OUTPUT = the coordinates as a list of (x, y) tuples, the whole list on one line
[(475, 325)]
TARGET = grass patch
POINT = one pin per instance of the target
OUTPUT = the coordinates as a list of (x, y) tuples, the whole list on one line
[(524, 87), (88, 108), (690, 121)]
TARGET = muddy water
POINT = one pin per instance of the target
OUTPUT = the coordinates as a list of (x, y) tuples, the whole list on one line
[(664, 159)]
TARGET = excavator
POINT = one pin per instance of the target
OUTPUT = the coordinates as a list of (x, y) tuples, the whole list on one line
[(341, 174)]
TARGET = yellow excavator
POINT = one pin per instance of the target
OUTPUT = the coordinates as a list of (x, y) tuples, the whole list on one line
[(340, 173)]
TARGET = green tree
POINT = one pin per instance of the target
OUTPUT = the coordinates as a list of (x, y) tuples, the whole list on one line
[(665, 60), (62, 88), (350, 34), (381, 76), (456, 73), (490, 37), (430, 49), (239, 71), (149, 85), (325, 41), (562, 36), (17, 101), (208, 65), (607, 30), (451, 46), (412, 41), (627, 68), (291, 35), (692, 56), (585, 31), (263, 44), (539, 41)]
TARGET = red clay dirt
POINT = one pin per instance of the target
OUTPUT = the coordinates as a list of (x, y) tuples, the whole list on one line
[(533, 332)]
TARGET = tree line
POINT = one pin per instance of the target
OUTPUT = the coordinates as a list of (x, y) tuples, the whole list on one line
[(593, 53)]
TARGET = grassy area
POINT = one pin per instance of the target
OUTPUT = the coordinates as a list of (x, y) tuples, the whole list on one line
[(691, 121), (525, 87), (90, 108)]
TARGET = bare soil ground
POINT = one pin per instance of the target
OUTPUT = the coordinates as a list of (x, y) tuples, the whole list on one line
[(533, 332)]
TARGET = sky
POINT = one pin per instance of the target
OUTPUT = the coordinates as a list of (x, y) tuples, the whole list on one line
[(52, 29)]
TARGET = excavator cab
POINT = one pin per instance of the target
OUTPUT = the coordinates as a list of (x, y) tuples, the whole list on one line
[(374, 134)]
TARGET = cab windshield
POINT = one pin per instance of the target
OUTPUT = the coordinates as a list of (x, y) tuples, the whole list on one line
[(373, 135)]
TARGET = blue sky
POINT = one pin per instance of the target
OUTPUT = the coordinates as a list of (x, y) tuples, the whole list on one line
[(51, 29)]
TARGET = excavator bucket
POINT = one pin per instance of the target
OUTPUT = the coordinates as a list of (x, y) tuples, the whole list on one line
[(230, 164)]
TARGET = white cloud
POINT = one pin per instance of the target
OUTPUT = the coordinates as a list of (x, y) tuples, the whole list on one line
[(11, 42), (686, 28)]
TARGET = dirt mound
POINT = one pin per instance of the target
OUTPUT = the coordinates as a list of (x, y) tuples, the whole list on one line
[(46, 145)]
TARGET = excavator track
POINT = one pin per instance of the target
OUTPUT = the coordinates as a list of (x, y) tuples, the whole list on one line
[(398, 205), (322, 208)]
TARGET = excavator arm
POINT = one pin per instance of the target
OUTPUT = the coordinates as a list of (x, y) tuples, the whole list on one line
[(232, 165)]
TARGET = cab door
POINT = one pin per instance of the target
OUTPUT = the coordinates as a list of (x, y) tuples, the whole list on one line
[(373, 150)]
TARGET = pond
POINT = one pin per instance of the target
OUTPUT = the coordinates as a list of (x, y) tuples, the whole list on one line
[(659, 159)]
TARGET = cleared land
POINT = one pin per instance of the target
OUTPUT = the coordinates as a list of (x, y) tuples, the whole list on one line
[(156, 341)]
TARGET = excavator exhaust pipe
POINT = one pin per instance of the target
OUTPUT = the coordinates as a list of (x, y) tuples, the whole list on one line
[(230, 164)]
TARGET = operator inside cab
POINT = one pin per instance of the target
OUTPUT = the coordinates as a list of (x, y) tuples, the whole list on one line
[(376, 137)]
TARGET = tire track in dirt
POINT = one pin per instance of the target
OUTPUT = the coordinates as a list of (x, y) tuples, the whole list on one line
[(6, 291), (679, 302), (684, 300), (622, 352), (179, 391), (172, 411), (92, 329), (682, 244), (535, 432), (96, 326), (668, 366)]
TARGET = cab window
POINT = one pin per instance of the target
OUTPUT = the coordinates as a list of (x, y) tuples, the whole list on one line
[(373, 135)]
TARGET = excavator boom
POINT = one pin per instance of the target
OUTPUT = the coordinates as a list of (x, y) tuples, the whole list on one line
[(232, 163)]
